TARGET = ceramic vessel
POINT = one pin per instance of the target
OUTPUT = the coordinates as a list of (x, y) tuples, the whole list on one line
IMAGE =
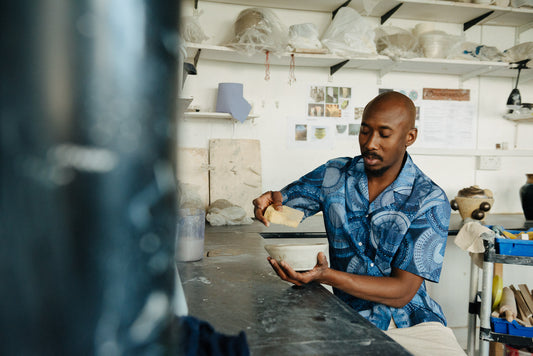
[(473, 202), (526, 197), (301, 257)]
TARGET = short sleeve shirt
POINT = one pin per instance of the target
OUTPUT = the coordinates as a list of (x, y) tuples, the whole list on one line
[(405, 227)]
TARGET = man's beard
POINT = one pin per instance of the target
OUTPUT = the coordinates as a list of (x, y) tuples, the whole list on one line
[(374, 172)]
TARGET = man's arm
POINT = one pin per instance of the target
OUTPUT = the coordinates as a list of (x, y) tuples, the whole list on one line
[(395, 291), (303, 194)]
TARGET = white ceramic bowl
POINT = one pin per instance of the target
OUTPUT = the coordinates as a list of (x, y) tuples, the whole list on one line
[(301, 257)]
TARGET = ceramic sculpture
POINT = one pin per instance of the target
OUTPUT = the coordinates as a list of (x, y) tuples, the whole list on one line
[(473, 202)]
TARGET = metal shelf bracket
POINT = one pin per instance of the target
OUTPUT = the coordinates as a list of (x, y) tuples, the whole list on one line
[(334, 12), (337, 66), (476, 20), (389, 13)]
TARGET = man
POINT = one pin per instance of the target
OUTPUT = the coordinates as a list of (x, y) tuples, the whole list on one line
[(386, 222)]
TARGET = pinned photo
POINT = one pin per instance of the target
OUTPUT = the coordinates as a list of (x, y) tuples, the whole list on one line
[(358, 113), (344, 104), (316, 94), (341, 129), (300, 132), (319, 133), (353, 129), (346, 92), (315, 110), (333, 110), (332, 95)]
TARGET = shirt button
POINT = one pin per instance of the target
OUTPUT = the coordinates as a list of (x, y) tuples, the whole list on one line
[(371, 265), (360, 244)]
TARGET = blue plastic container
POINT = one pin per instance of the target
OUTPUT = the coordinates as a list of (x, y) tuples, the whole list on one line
[(515, 247), (502, 326)]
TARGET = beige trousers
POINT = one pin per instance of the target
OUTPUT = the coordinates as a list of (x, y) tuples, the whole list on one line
[(424, 339)]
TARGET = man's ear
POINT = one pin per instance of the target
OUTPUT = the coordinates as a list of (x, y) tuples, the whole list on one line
[(411, 137)]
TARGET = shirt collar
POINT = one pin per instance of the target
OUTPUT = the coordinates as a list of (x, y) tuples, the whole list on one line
[(403, 184)]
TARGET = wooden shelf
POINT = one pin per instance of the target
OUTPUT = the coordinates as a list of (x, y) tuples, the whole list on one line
[(212, 115), (422, 10), (465, 68)]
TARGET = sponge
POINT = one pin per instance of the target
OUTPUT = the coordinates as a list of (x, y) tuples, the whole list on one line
[(287, 216)]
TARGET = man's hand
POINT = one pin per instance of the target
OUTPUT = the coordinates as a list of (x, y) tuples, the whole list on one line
[(261, 203), (285, 271)]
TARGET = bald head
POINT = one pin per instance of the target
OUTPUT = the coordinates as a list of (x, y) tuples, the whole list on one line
[(402, 106), (387, 129)]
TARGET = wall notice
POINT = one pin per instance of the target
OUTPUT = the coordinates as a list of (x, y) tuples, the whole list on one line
[(445, 118), (446, 94)]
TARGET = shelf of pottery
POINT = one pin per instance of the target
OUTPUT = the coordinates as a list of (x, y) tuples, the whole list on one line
[(468, 14)]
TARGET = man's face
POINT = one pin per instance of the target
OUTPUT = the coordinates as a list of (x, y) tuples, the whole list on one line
[(383, 138)]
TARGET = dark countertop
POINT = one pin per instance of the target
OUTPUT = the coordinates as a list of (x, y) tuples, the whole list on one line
[(235, 289), (508, 221)]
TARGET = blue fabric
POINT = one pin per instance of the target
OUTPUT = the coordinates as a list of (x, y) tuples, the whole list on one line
[(198, 338), (405, 227)]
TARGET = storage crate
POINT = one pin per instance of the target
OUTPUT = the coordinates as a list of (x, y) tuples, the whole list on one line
[(515, 247), (502, 326)]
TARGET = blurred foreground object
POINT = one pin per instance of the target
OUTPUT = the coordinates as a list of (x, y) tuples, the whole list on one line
[(87, 217)]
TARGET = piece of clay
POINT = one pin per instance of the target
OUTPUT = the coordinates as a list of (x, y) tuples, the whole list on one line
[(287, 216)]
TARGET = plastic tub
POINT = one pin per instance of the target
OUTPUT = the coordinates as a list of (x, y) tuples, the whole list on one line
[(436, 44), (514, 247), (502, 326), (190, 234)]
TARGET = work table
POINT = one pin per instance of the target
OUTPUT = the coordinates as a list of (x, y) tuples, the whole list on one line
[(234, 288)]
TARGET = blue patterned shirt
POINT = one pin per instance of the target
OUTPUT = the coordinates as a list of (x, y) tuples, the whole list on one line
[(405, 227)]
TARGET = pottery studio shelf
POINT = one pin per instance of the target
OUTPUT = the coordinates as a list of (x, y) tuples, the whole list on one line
[(520, 119), (422, 10), (212, 115), (466, 69)]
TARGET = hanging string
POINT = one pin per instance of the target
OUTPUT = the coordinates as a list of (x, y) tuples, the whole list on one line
[(292, 66), (267, 67)]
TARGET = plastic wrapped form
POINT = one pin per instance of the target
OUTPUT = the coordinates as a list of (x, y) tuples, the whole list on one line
[(349, 35), (304, 36), (518, 53), (470, 50), (191, 30), (396, 42), (439, 44), (222, 212), (259, 30)]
